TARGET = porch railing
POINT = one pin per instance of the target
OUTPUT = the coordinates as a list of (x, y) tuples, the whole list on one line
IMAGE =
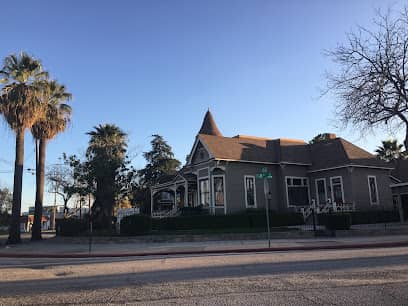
[(166, 213), (322, 209)]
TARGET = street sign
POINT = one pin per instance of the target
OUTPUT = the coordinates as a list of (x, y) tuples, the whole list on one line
[(265, 175)]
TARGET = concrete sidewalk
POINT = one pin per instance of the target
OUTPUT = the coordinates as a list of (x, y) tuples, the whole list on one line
[(60, 247)]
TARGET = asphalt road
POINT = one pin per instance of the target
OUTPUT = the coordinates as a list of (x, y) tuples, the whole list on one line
[(359, 277)]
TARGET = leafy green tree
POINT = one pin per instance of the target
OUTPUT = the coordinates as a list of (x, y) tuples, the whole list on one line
[(391, 150), (107, 166), (56, 116), (20, 106), (321, 137), (160, 161)]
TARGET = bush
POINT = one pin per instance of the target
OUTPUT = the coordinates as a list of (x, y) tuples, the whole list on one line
[(71, 227), (257, 218), (247, 219), (5, 219), (201, 222), (374, 216), (335, 221), (135, 225), (193, 211)]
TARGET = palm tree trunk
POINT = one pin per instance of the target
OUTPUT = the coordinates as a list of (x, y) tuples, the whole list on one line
[(14, 229), (39, 192)]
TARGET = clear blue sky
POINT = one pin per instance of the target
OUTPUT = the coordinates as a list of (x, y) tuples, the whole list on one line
[(156, 66)]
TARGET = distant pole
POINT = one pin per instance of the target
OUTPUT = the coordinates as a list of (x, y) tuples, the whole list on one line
[(55, 205), (266, 191), (90, 223)]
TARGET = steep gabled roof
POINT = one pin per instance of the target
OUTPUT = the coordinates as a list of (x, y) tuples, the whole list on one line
[(240, 148), (401, 169), (339, 152), (209, 127)]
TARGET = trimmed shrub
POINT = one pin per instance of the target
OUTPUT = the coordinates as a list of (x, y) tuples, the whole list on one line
[(135, 225), (247, 219), (335, 221), (71, 227), (374, 216), (193, 211), (201, 222), (5, 219), (257, 218)]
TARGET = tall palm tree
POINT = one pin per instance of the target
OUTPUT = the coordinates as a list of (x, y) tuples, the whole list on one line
[(106, 154), (390, 150), (20, 106), (54, 121)]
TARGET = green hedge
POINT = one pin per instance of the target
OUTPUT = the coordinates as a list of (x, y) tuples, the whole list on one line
[(201, 222), (247, 219), (374, 216), (5, 219), (135, 225), (335, 221), (193, 211), (71, 227), (257, 218), (140, 224)]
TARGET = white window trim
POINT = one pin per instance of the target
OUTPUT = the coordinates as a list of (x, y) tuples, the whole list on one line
[(199, 189), (287, 188), (331, 187), (376, 189), (317, 191), (213, 191), (245, 188)]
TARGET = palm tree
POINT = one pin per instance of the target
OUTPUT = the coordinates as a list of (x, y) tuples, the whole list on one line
[(106, 154), (54, 121), (390, 150), (20, 106)]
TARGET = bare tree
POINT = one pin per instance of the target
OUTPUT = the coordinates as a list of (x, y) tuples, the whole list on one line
[(372, 80), (61, 182)]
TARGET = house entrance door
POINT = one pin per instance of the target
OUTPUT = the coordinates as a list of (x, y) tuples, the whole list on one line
[(404, 205)]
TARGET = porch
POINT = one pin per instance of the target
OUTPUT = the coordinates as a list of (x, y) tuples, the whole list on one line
[(177, 192)]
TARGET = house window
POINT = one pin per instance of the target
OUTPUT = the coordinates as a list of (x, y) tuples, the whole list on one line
[(321, 192), (250, 191), (219, 195), (372, 187), (337, 189), (297, 191), (204, 193)]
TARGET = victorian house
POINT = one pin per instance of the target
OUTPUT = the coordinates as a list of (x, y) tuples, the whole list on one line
[(221, 175)]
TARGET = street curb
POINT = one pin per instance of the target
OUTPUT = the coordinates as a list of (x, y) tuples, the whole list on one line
[(203, 252)]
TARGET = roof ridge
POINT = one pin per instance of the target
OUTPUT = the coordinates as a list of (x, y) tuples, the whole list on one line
[(348, 143)]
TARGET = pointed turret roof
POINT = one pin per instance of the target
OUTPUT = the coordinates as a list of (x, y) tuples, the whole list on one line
[(209, 127)]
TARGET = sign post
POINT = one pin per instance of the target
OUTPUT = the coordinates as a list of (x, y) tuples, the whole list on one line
[(265, 175)]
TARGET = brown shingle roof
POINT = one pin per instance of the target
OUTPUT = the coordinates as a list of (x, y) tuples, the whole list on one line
[(325, 154), (240, 148), (339, 152)]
